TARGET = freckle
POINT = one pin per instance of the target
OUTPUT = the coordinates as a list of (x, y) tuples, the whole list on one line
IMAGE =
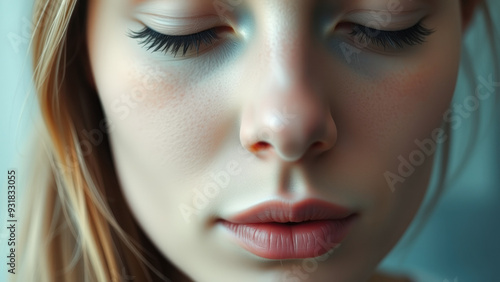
[(161, 87), (379, 105)]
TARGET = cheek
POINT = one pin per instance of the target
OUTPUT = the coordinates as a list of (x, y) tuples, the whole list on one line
[(156, 113), (379, 121), (412, 109), (403, 98), (165, 118), (169, 119), (382, 117), (404, 106)]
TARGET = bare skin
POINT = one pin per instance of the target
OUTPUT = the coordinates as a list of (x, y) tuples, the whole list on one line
[(288, 104)]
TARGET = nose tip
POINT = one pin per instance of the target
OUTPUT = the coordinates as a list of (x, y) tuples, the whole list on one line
[(289, 136)]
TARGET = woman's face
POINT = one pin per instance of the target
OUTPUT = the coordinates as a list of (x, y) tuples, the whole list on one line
[(283, 105)]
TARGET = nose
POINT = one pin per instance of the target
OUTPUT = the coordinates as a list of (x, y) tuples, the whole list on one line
[(286, 114)]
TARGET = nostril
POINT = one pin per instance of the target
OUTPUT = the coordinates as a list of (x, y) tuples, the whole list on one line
[(317, 145), (259, 146)]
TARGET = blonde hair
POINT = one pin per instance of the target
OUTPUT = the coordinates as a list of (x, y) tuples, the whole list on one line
[(71, 231)]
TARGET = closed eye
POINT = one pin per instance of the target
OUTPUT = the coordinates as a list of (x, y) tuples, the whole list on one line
[(414, 35), (156, 41)]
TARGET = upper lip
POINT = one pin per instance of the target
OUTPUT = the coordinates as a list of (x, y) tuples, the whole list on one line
[(284, 212)]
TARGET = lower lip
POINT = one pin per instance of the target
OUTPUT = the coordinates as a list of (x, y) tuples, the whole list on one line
[(282, 241)]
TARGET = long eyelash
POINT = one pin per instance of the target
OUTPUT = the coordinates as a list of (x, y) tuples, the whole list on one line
[(156, 41), (397, 39)]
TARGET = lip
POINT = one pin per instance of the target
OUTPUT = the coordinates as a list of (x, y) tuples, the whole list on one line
[(281, 230)]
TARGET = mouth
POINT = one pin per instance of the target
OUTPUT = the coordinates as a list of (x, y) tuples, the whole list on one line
[(279, 230)]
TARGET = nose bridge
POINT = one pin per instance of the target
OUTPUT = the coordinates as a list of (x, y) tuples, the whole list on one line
[(285, 43), (286, 113), (284, 51)]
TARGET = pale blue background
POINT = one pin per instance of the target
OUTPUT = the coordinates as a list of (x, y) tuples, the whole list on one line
[(461, 241), (15, 73)]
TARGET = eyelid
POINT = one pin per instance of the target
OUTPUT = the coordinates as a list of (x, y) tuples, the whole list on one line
[(177, 26), (165, 43), (386, 20), (414, 35), (417, 26)]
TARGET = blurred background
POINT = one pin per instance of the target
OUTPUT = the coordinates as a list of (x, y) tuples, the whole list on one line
[(458, 242), (17, 107)]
